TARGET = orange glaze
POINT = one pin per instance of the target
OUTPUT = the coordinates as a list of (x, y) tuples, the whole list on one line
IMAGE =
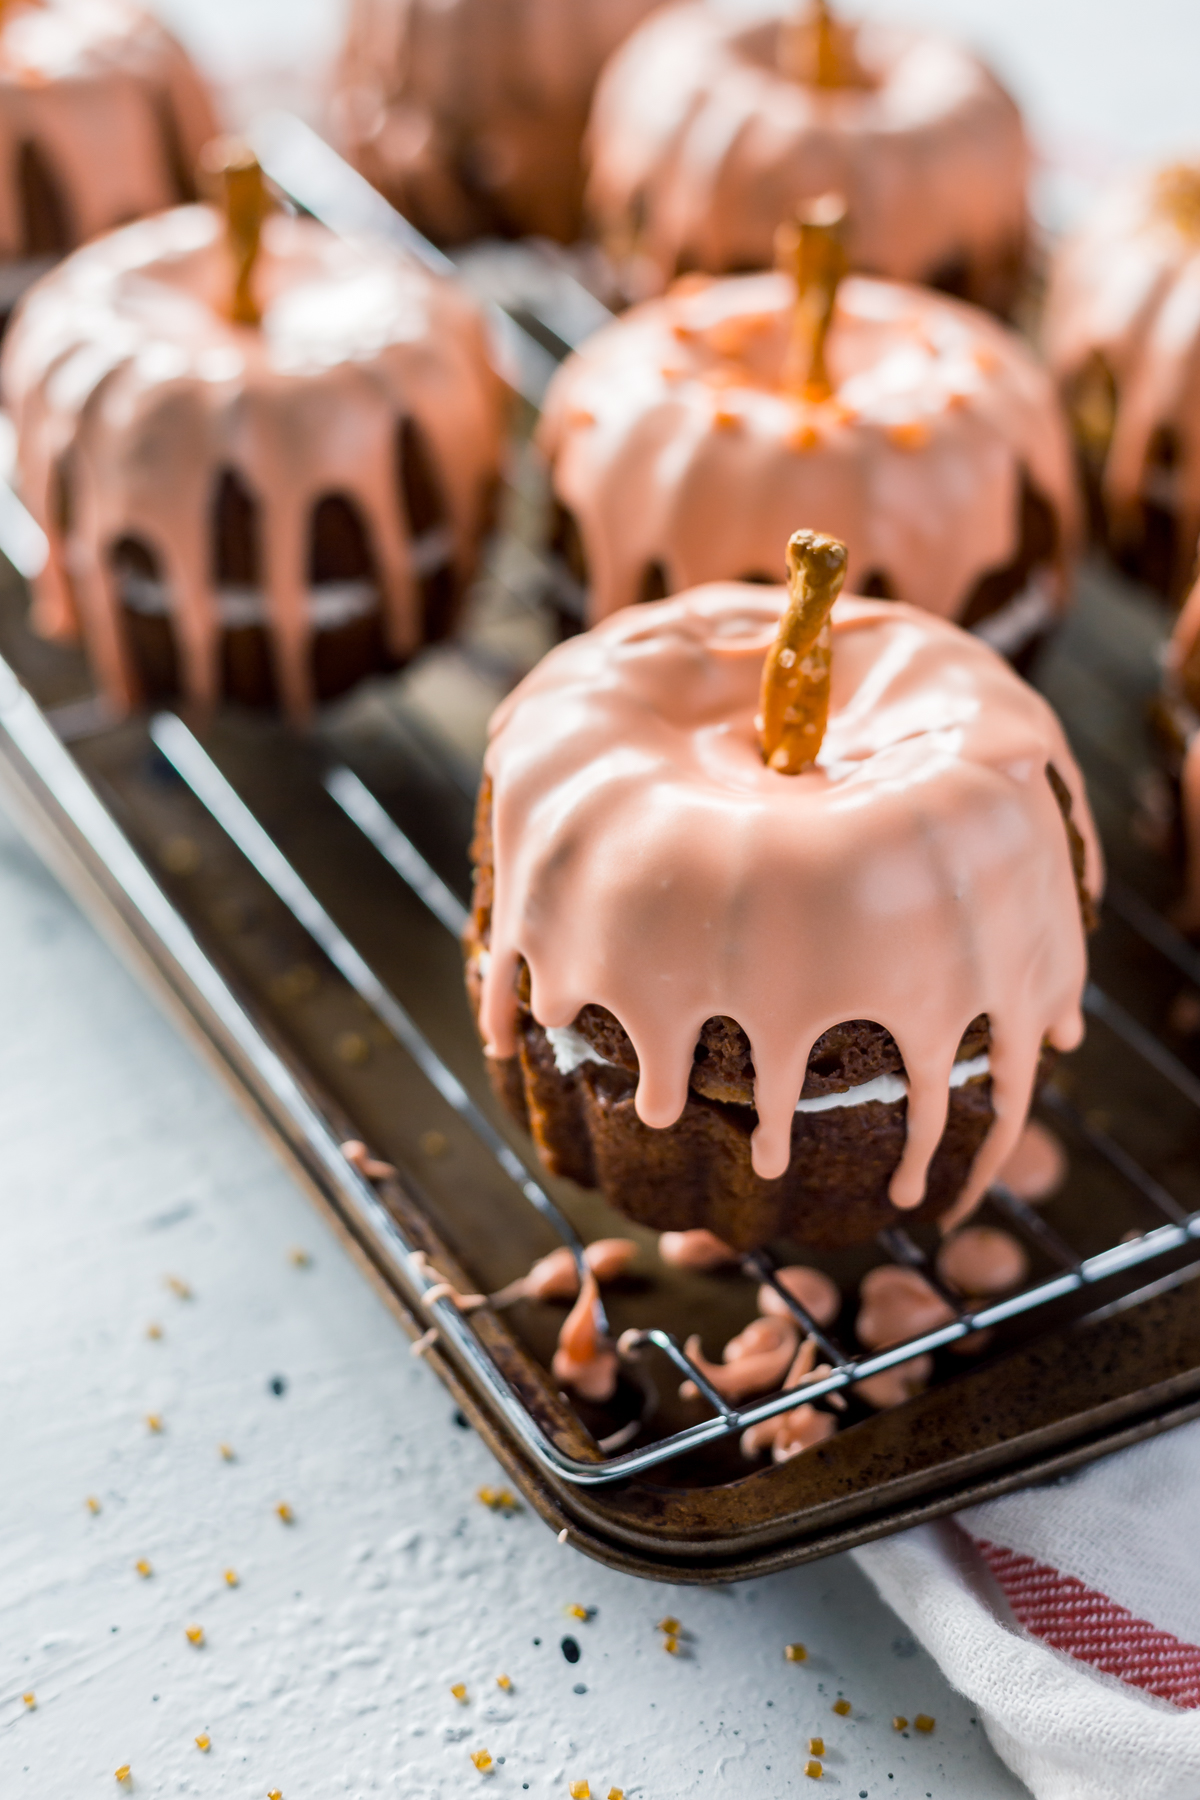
[(982, 1262), (696, 1250), (700, 145), (584, 1361), (813, 1289), (123, 365), (648, 862), (1037, 1167), (754, 1362), (915, 461), (470, 114), (101, 90), (1126, 286)]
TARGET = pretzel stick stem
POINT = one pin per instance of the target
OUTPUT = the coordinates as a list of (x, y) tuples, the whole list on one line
[(796, 674)]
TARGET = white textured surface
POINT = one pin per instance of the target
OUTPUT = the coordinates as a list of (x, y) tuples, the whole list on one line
[(327, 1671)]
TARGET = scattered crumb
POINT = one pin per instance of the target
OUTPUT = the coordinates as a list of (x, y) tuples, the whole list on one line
[(813, 1769), (899, 1723), (179, 1288), (816, 1746), (923, 1722), (841, 1707), (795, 1653), (299, 1258), (154, 1330)]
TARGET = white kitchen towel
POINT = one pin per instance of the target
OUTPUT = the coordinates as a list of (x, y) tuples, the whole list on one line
[(1070, 1615)]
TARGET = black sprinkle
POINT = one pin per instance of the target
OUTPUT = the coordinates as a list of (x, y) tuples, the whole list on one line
[(570, 1649), (461, 1419), (862, 1794), (278, 1386), (537, 1641), (581, 1688)]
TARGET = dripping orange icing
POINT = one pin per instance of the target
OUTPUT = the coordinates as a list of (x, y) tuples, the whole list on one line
[(1126, 288), (124, 367), (916, 461), (114, 109), (919, 875), (700, 144)]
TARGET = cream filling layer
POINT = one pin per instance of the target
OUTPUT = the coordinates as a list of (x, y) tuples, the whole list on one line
[(571, 1050)]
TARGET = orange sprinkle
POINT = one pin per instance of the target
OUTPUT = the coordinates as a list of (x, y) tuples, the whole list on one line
[(577, 1612), (616, 1794), (671, 1646), (923, 1722), (195, 1634), (899, 1723), (816, 1746), (841, 1707), (30, 1701), (93, 1505), (284, 1512), (579, 1790), (143, 1568), (204, 1742), (482, 1760), (672, 1627), (505, 1682), (813, 1769), (275, 1794), (153, 1330), (122, 1774), (179, 1288), (795, 1653), (231, 1578), (227, 1452), (909, 434), (459, 1690), (154, 1422)]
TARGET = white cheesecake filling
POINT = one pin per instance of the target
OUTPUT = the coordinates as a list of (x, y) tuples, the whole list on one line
[(571, 1049)]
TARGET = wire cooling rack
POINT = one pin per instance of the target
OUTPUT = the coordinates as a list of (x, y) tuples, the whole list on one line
[(538, 311)]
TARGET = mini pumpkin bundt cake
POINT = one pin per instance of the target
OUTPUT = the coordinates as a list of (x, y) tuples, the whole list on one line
[(776, 919), (684, 439), (713, 122), (102, 120), (264, 468), (469, 114), (1122, 334)]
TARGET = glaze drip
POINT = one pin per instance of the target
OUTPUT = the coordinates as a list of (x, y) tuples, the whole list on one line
[(919, 875), (128, 381), (674, 441)]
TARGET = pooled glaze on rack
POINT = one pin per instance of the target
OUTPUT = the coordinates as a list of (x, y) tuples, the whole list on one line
[(108, 106), (919, 875), (470, 114), (700, 144), (1126, 289), (675, 442), (125, 361)]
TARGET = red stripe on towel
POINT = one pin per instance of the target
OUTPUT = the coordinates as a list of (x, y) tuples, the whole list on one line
[(1094, 1629)]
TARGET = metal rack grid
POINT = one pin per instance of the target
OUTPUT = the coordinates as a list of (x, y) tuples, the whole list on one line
[(306, 168)]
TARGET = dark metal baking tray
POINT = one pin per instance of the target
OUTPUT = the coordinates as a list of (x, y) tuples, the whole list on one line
[(327, 987)]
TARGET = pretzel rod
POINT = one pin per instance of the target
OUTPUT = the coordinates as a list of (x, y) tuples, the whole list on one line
[(816, 249), (810, 49), (795, 683), (246, 203)]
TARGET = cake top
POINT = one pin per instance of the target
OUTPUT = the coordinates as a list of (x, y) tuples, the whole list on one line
[(920, 873), (131, 383), (713, 113), (914, 457)]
